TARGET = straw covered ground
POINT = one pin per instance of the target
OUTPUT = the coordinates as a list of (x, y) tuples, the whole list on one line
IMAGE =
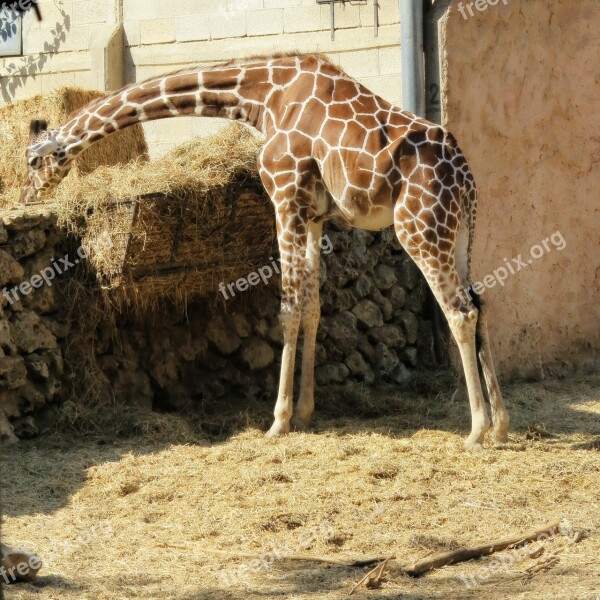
[(144, 515)]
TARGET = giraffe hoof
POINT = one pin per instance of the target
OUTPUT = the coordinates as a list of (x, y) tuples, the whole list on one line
[(499, 436), (278, 429), (473, 446), (475, 440), (500, 429), (299, 424)]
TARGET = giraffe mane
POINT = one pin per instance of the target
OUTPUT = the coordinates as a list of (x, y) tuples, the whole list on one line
[(273, 55), (229, 63)]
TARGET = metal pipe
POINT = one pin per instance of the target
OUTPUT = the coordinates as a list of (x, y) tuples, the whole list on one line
[(376, 18), (332, 18), (433, 57), (411, 48)]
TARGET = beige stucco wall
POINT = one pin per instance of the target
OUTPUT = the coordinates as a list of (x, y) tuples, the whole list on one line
[(522, 95)]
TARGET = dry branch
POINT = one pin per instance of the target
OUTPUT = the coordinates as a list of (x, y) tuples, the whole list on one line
[(374, 578), (418, 569), (464, 554)]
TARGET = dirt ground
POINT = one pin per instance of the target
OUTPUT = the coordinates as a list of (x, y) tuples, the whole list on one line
[(381, 474)]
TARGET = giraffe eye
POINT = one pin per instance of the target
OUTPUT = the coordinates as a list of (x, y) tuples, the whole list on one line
[(34, 161)]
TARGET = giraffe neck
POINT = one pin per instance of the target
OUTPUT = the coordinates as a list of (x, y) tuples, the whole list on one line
[(235, 92)]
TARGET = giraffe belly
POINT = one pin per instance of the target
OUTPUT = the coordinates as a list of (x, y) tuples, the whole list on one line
[(378, 218), (359, 208)]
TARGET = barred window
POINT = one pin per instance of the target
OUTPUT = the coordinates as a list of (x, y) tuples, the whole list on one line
[(11, 32)]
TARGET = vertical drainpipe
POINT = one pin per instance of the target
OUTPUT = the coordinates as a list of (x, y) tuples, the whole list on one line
[(411, 49), (433, 59)]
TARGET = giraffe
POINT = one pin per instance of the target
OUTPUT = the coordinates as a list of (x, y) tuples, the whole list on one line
[(332, 149)]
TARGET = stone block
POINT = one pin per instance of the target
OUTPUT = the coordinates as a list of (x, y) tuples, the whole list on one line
[(160, 31), (13, 372), (302, 19), (192, 28), (30, 333), (256, 353), (227, 25), (264, 22)]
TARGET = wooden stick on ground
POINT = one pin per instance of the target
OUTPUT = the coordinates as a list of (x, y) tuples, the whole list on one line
[(372, 580), (416, 570), (342, 562), (464, 554)]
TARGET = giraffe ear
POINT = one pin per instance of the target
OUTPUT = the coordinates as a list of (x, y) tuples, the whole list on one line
[(36, 127)]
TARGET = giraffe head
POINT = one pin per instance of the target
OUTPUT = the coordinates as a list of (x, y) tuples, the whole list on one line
[(47, 162)]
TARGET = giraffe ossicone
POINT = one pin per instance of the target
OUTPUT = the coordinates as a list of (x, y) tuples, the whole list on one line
[(332, 149)]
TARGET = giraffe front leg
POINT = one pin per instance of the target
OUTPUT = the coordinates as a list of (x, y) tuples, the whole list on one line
[(291, 234), (311, 313), (290, 323)]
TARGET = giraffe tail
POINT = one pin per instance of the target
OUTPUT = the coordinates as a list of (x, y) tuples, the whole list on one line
[(469, 212)]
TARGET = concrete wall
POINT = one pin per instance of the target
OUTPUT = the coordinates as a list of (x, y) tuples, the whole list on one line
[(160, 37), (522, 95), (67, 48)]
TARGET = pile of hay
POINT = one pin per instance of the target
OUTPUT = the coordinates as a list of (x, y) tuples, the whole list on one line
[(167, 229), (175, 227), (55, 107)]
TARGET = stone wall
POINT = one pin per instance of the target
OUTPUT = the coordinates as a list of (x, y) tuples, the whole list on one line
[(373, 330), (32, 323)]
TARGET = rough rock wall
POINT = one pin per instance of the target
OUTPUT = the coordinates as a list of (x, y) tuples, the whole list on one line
[(32, 325), (522, 96), (373, 329)]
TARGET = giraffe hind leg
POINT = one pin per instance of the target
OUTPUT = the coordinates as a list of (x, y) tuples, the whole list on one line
[(463, 324), (500, 416), (439, 269)]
